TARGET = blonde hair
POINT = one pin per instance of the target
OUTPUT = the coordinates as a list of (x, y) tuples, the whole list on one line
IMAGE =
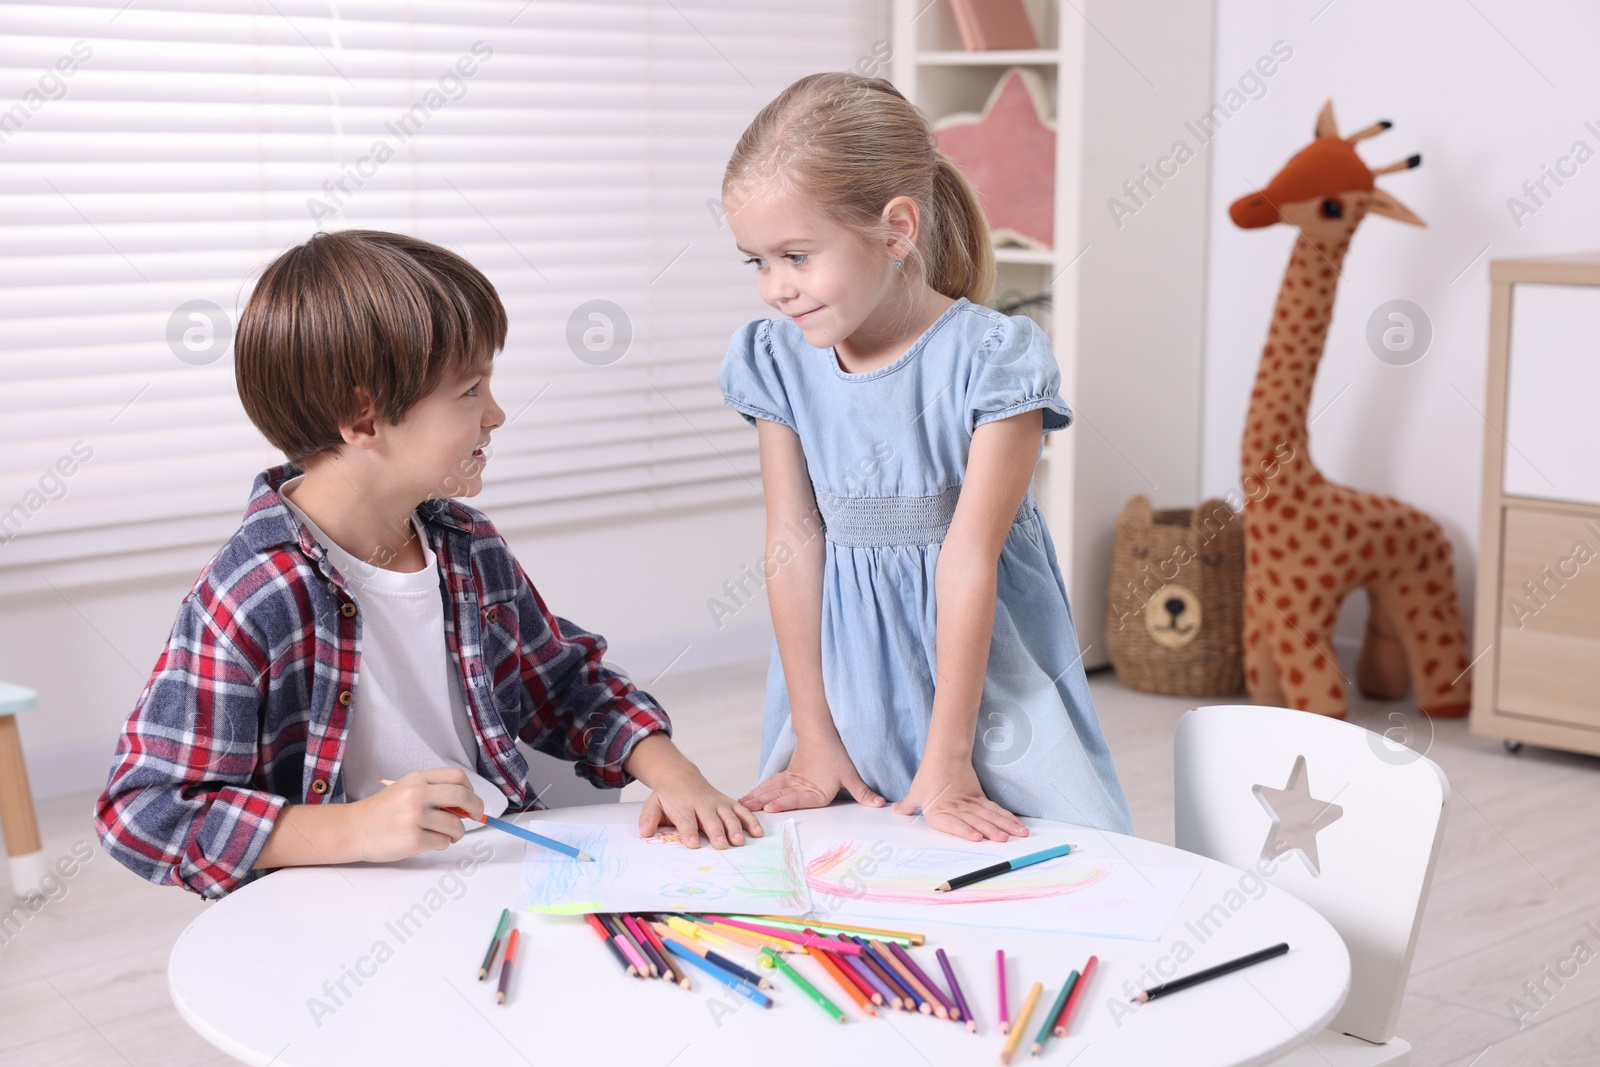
[(848, 145)]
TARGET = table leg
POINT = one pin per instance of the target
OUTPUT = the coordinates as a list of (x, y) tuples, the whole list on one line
[(17, 818)]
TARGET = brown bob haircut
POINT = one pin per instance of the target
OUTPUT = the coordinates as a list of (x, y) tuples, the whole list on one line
[(357, 314)]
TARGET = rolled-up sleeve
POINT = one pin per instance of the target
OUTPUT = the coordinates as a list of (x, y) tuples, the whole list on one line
[(179, 807)]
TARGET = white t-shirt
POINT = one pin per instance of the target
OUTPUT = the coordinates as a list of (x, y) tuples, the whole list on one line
[(409, 713)]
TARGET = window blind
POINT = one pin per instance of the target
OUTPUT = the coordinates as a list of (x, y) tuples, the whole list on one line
[(156, 155)]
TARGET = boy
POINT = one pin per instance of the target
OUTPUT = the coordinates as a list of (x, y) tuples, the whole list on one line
[(361, 625)]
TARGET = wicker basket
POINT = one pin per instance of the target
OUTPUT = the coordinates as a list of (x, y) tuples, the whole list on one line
[(1175, 605)]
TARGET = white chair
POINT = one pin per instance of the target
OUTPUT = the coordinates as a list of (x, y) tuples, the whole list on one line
[(1355, 835)]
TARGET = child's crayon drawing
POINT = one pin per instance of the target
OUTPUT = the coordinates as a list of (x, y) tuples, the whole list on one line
[(764, 876), (1083, 893)]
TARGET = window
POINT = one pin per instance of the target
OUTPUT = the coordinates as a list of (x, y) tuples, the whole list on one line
[(155, 156)]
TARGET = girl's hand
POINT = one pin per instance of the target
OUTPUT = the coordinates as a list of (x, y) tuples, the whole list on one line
[(951, 799), (405, 818), (816, 774), (693, 806)]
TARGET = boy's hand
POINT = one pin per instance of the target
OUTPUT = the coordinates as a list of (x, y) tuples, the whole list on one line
[(951, 799), (692, 805), (404, 819), (816, 774)]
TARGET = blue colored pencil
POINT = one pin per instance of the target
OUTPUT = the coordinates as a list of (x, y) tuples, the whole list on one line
[(737, 971), (907, 994), (515, 830), (1003, 867), (733, 981)]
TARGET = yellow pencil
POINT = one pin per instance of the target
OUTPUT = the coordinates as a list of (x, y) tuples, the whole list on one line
[(1020, 1023), (798, 924)]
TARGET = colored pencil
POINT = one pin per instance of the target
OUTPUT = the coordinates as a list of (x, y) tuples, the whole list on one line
[(715, 958), (527, 835), (1021, 1022), (1077, 995), (891, 985), (629, 946), (801, 984), (1210, 972), (505, 967), (725, 935), (909, 999), (939, 999), (1054, 1013), (925, 1002), (513, 828), (671, 973), (955, 991), (658, 965), (1000, 979), (849, 973), (494, 945), (683, 927), (641, 966), (803, 939), (834, 928), (611, 942), (738, 985), (1003, 867), (829, 962), (881, 994)]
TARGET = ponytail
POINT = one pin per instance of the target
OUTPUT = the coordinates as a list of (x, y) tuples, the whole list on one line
[(959, 259)]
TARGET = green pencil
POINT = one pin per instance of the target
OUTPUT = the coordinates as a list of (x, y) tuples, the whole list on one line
[(499, 932), (804, 986), (1054, 1013)]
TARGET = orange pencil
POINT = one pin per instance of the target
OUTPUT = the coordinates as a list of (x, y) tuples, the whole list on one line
[(849, 974), (505, 967), (827, 963)]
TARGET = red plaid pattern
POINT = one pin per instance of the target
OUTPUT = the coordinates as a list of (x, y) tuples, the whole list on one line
[(247, 707)]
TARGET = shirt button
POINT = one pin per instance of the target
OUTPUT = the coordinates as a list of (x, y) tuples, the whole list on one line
[(319, 786), (493, 615), (345, 697), (347, 609)]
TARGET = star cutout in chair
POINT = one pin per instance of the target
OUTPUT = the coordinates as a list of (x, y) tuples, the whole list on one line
[(1297, 816)]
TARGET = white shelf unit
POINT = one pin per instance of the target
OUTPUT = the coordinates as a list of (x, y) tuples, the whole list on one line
[(939, 77), (1127, 317)]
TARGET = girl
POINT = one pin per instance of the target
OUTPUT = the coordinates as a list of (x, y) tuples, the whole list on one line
[(924, 647)]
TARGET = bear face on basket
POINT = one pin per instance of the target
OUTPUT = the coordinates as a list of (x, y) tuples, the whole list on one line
[(1175, 605)]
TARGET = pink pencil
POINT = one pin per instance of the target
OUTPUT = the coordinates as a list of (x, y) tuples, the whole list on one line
[(834, 945), (1000, 977)]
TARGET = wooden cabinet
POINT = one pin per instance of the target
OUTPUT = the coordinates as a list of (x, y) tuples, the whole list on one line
[(1537, 676)]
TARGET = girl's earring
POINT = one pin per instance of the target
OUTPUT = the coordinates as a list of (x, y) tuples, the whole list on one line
[(898, 264)]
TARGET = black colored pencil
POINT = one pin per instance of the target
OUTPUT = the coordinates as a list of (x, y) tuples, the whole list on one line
[(1211, 972)]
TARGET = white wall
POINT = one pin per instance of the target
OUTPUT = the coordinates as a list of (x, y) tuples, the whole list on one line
[(643, 584), (1141, 282), (1488, 93)]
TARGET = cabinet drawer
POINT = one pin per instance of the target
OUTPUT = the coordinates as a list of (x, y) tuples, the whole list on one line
[(1553, 380), (1549, 647)]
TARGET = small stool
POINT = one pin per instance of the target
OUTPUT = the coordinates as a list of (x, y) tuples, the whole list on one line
[(17, 818)]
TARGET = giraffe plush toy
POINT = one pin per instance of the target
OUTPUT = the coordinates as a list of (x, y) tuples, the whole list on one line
[(1308, 541)]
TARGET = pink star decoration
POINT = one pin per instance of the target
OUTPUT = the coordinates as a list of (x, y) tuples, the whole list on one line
[(1008, 153)]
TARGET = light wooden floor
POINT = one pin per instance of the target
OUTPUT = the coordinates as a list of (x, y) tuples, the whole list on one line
[(84, 980)]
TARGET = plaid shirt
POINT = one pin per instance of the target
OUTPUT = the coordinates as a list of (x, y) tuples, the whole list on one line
[(248, 706)]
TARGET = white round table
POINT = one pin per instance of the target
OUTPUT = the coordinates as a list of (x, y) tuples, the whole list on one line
[(377, 964)]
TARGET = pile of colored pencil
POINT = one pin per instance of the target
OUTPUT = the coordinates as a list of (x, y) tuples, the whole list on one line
[(874, 968)]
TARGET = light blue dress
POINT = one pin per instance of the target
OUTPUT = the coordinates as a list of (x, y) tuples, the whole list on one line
[(887, 451)]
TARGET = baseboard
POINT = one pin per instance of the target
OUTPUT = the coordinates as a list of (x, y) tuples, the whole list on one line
[(82, 766)]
